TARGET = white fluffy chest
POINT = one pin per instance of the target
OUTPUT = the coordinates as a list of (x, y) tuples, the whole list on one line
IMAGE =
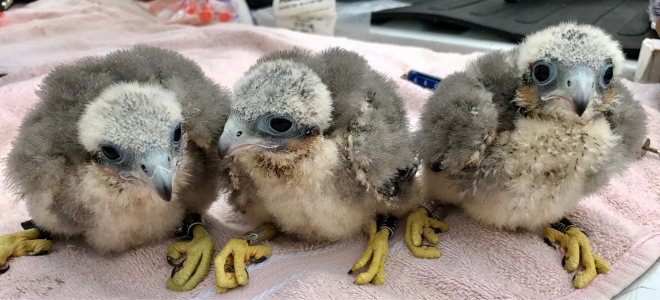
[(304, 201), (547, 163), (554, 157), (126, 217)]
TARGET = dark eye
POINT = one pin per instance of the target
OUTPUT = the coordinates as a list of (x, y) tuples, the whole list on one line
[(541, 73), (110, 152), (607, 75), (176, 136), (280, 124)]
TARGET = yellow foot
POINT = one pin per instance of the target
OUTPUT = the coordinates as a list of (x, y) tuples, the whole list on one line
[(577, 246), (233, 258), (377, 252), (193, 269), (20, 243), (420, 224)]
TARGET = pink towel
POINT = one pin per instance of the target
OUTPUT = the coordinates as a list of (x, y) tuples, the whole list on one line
[(623, 219)]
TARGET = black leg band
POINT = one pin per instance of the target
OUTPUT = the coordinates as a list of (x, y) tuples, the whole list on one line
[(253, 237), (438, 212), (430, 206), (186, 229), (29, 224), (388, 222), (563, 225)]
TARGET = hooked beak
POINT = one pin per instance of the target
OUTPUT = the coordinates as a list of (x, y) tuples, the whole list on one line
[(581, 95), (579, 89), (157, 173), (162, 183), (235, 140)]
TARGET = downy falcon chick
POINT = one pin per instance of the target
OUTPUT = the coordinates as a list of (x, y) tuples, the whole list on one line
[(121, 150), (520, 136), (320, 149)]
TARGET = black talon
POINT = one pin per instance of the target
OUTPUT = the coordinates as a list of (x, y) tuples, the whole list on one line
[(427, 245), (40, 253), (170, 261), (259, 260), (350, 271), (563, 262), (437, 230), (230, 267), (4, 269), (547, 241), (177, 268), (575, 276)]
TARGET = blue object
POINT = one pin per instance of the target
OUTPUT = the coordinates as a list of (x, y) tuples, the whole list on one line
[(422, 79)]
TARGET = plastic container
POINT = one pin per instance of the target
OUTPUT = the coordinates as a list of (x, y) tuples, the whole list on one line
[(193, 12)]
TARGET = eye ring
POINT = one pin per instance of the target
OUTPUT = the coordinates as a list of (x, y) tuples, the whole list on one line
[(111, 152), (606, 75), (543, 72)]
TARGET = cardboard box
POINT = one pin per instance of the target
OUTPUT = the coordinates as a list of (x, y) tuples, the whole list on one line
[(648, 63)]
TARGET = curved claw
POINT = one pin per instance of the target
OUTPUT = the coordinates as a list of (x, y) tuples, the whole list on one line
[(547, 242), (234, 256), (170, 261), (26, 242), (196, 264), (230, 268), (40, 253), (177, 267), (578, 251), (376, 252), (419, 225), (4, 269), (259, 260)]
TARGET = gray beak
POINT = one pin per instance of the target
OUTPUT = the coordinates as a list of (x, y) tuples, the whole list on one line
[(162, 182), (157, 172), (235, 140), (581, 96), (225, 143), (580, 88)]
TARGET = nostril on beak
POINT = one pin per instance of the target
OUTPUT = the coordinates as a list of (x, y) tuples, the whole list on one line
[(144, 168), (239, 133), (169, 159), (569, 83)]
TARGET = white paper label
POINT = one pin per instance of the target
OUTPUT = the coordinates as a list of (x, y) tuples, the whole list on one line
[(284, 8), (321, 26)]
